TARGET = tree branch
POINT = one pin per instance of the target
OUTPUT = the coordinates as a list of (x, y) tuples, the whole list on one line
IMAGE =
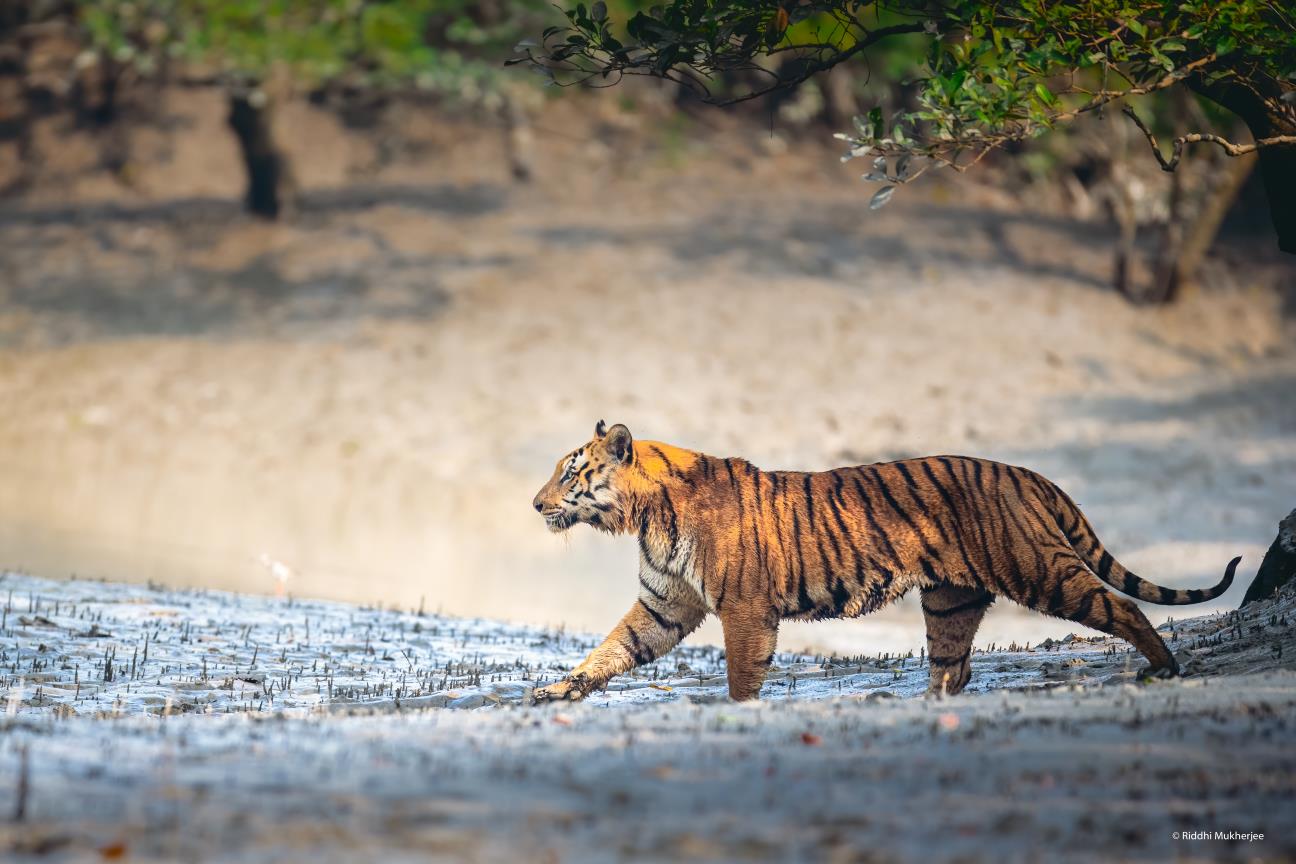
[(1103, 97), (813, 68), (1197, 137), (643, 65)]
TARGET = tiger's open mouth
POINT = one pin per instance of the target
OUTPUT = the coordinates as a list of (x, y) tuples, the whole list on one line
[(557, 520)]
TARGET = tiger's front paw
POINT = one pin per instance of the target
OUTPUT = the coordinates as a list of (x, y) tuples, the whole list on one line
[(569, 689)]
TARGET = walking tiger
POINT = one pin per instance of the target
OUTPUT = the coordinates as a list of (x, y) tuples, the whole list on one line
[(757, 547)]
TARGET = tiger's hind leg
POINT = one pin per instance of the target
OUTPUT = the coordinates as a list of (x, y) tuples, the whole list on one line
[(953, 614), (1072, 591), (750, 636)]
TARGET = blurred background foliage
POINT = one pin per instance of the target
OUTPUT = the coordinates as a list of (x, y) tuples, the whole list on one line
[(961, 82), (984, 77), (442, 46), (88, 56)]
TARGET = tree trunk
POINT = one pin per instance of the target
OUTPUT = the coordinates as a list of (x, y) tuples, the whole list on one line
[(1279, 564), (518, 140), (269, 180), (1201, 232), (1278, 169), (840, 106), (1165, 268), (1120, 207), (1259, 104)]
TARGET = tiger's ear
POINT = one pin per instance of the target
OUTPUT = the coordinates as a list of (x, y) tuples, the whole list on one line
[(600, 429), (619, 444)]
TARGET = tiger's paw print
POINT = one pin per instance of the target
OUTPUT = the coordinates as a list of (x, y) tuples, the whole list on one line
[(569, 689)]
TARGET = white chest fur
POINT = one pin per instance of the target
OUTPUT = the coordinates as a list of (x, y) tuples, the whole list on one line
[(682, 578)]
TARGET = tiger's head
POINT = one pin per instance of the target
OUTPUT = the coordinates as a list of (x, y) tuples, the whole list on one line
[(586, 484)]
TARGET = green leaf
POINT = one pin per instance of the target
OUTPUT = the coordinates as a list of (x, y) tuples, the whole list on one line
[(875, 120)]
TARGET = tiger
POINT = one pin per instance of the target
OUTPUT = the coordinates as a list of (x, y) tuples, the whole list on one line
[(718, 535)]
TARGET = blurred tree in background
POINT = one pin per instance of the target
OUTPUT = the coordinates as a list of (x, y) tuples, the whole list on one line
[(259, 51), (938, 85), (990, 75)]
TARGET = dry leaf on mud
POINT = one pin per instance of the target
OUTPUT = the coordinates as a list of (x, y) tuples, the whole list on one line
[(113, 851)]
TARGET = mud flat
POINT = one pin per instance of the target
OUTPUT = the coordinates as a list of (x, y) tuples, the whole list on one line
[(241, 737)]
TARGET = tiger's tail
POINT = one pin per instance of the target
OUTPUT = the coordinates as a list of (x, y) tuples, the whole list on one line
[(1082, 537)]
